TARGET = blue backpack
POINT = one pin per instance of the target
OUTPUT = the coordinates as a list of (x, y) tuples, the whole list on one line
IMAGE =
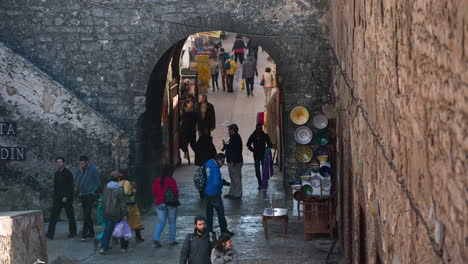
[(227, 65)]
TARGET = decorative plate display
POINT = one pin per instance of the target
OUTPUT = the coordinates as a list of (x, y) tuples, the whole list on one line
[(304, 153), (326, 184), (303, 135), (299, 115), (320, 121), (315, 181)]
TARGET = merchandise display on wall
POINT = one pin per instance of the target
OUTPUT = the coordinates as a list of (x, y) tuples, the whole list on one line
[(314, 150)]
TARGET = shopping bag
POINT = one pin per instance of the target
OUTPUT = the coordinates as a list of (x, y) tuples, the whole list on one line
[(127, 231), (242, 87), (119, 230)]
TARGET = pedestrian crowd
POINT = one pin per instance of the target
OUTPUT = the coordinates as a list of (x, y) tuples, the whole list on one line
[(117, 208), (226, 63)]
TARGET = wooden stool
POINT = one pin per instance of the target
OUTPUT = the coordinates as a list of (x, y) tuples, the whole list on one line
[(275, 214)]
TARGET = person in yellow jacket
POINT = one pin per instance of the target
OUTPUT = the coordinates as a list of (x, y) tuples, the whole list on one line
[(230, 66), (134, 217)]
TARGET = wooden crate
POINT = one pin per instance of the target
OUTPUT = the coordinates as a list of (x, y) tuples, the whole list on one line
[(318, 217)]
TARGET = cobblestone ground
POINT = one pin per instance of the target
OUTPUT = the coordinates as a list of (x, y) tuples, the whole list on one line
[(243, 216)]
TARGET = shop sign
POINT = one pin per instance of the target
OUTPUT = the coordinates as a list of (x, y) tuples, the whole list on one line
[(10, 153)]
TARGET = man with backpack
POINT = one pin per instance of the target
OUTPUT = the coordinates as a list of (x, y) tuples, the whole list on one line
[(213, 191), (198, 245), (230, 66)]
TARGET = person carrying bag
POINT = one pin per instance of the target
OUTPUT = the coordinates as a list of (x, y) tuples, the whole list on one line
[(166, 195)]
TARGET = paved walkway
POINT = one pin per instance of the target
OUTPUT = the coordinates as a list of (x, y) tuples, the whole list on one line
[(243, 217), (237, 107)]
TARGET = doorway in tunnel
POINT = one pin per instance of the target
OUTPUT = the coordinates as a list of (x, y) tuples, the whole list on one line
[(182, 74)]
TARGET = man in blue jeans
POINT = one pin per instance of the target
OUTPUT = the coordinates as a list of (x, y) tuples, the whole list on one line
[(114, 210), (213, 191)]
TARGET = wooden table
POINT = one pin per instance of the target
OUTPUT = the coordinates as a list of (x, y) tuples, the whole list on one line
[(275, 214)]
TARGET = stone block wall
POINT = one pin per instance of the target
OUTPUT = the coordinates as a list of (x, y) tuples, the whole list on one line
[(22, 238), (50, 122), (104, 53), (400, 79)]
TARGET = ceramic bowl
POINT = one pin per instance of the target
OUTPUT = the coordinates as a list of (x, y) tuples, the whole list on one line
[(303, 135), (320, 121), (299, 115), (304, 153)]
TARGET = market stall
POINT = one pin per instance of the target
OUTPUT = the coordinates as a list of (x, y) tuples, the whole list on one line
[(313, 189)]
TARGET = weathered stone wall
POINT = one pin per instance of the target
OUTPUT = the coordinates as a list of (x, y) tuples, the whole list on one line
[(50, 122), (105, 52), (22, 238), (401, 84)]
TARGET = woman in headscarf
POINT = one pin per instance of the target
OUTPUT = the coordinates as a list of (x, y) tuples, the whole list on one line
[(134, 217)]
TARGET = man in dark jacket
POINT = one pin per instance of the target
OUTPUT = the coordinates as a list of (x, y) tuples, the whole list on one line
[(198, 245), (206, 114), (235, 161), (204, 149), (249, 71), (63, 198), (257, 143), (188, 127), (114, 210)]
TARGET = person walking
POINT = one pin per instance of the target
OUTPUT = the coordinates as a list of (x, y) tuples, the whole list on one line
[(267, 83), (257, 143), (198, 245), (165, 212), (214, 68), (87, 183), (224, 251), (134, 217), (188, 127), (213, 190), (206, 114), (62, 198), (222, 57), (230, 66), (114, 209), (204, 149), (233, 150), (238, 48), (249, 71)]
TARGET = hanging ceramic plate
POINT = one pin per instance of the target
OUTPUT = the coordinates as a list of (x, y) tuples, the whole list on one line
[(322, 138), (320, 121), (326, 183), (299, 115), (307, 190), (304, 153), (303, 135), (315, 181)]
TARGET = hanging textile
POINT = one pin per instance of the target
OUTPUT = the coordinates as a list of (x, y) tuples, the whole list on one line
[(267, 172)]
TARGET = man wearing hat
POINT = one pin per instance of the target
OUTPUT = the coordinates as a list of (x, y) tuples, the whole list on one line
[(233, 150)]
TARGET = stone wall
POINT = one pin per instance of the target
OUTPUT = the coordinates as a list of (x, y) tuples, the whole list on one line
[(22, 238), (401, 84), (50, 122), (105, 52)]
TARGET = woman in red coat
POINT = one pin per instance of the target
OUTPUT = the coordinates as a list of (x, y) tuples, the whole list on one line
[(165, 212)]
